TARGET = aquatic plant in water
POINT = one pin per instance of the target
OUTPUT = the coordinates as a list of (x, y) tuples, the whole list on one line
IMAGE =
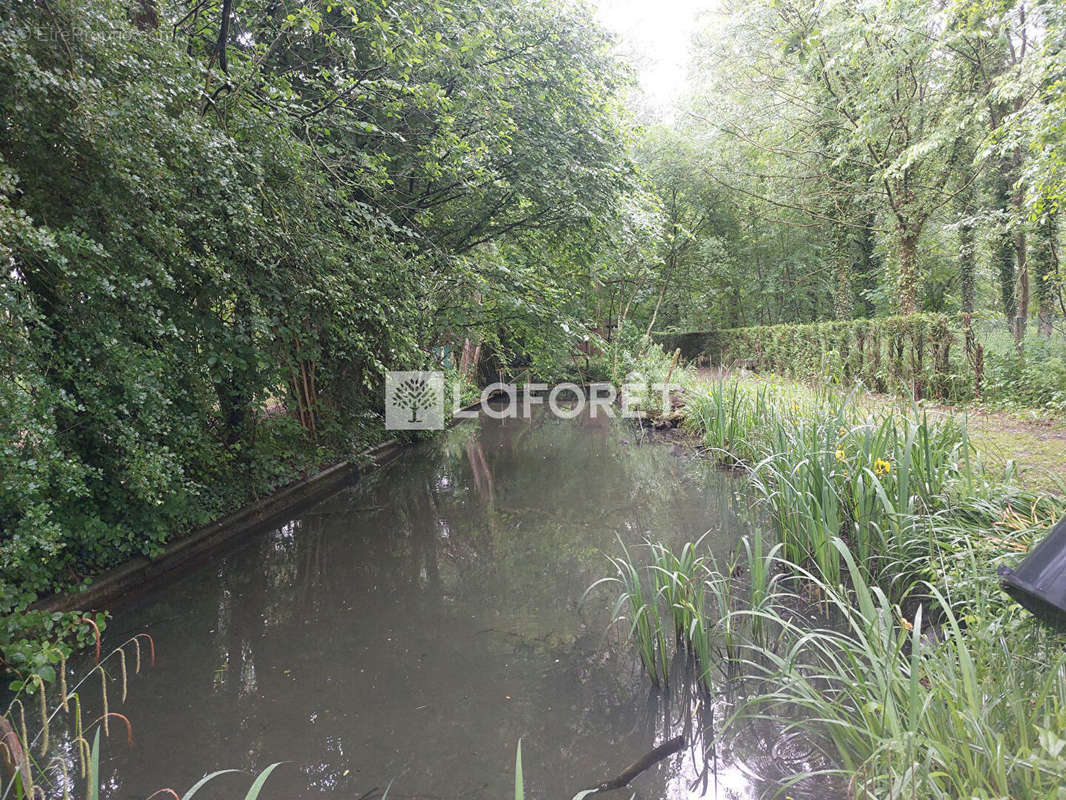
[(27, 758), (923, 679)]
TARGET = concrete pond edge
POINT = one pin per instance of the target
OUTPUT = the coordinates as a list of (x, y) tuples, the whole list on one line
[(131, 575)]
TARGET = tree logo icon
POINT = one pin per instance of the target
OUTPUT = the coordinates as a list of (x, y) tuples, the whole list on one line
[(414, 400), (415, 394)]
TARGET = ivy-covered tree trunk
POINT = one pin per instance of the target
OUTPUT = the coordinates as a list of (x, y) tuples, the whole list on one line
[(967, 254), (908, 269), (844, 305), (866, 266), (1022, 317), (144, 14), (1003, 245), (1044, 261)]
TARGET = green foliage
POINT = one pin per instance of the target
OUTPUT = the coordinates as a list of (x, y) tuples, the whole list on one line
[(28, 750), (211, 255), (899, 707), (835, 160), (28, 720), (519, 783), (34, 644), (1032, 376), (148, 338), (253, 791), (92, 777), (827, 469), (713, 260), (639, 602), (903, 708)]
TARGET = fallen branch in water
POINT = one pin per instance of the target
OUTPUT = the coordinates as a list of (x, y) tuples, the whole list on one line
[(650, 760)]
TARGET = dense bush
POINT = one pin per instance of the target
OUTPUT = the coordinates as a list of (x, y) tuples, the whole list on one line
[(1034, 376), (150, 306)]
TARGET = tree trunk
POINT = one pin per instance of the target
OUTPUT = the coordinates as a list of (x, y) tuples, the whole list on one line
[(967, 252), (1003, 245), (1022, 268), (967, 266), (223, 35), (622, 323), (866, 269), (659, 302), (145, 15), (908, 270), (844, 305), (1045, 269), (672, 261)]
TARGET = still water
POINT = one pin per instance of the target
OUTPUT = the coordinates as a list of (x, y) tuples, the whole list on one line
[(406, 632)]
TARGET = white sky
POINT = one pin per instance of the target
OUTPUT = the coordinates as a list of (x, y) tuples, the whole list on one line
[(655, 35)]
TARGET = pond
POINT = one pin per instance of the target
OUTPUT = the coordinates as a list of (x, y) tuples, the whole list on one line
[(407, 631)]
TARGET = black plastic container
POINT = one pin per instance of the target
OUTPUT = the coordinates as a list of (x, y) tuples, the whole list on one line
[(1039, 582)]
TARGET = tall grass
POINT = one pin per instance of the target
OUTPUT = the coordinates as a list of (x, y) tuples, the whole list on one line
[(29, 755), (971, 706), (683, 597), (638, 602), (905, 711), (676, 583), (824, 468)]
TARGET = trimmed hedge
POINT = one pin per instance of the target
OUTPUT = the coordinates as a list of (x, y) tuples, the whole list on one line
[(922, 355)]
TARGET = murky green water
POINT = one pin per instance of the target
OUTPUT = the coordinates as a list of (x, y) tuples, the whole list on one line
[(409, 630)]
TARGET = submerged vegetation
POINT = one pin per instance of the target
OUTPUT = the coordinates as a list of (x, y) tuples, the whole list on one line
[(917, 677)]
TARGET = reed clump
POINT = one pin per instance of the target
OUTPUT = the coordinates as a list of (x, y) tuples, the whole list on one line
[(917, 677), (681, 605), (824, 467), (901, 706)]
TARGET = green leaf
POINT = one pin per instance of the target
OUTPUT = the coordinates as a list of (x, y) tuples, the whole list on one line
[(257, 785), (519, 784), (93, 789), (200, 783)]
